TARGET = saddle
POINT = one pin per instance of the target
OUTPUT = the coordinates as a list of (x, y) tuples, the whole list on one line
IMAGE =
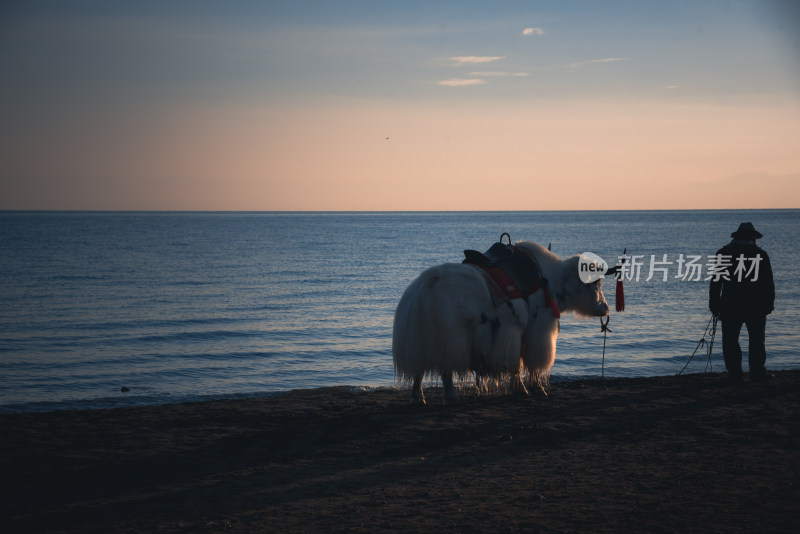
[(519, 268), (511, 271)]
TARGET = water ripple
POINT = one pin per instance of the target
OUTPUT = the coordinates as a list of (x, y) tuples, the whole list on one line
[(191, 305)]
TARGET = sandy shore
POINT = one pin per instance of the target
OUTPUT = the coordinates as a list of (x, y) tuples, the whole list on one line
[(679, 454)]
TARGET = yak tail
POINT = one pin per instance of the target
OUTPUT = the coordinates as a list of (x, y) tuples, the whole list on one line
[(407, 346), (431, 334)]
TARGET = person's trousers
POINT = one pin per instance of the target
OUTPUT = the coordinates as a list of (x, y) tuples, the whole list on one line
[(732, 352)]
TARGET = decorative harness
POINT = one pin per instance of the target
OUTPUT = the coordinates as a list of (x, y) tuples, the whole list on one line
[(511, 273)]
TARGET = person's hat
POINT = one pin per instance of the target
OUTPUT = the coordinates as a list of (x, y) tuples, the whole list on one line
[(746, 231)]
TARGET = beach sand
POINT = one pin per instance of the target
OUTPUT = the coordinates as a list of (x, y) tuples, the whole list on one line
[(675, 454)]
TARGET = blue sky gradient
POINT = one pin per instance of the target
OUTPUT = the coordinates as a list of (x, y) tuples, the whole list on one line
[(106, 94)]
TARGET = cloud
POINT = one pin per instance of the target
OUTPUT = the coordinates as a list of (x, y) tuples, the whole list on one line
[(461, 82), (488, 74), (592, 61), (532, 31), (462, 60)]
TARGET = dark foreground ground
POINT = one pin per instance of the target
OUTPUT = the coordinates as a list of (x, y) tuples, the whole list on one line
[(680, 454)]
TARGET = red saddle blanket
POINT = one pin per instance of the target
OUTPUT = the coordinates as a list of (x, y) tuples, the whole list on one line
[(510, 274)]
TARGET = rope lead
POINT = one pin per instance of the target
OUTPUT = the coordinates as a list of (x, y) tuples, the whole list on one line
[(711, 344), (605, 330), (711, 327)]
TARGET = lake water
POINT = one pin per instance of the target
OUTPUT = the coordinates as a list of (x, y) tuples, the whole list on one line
[(189, 306)]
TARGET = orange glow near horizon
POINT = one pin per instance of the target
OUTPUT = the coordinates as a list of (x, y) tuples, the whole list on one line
[(377, 156), (388, 108)]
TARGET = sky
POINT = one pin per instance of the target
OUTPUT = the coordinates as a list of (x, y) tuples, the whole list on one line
[(413, 105)]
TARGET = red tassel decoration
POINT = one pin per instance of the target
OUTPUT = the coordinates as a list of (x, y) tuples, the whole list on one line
[(620, 296)]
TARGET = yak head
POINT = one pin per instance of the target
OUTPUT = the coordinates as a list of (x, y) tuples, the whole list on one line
[(570, 289), (583, 298)]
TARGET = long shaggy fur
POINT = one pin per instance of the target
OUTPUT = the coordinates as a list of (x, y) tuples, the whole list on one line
[(446, 322)]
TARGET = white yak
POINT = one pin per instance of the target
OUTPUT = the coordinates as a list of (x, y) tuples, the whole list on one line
[(448, 322)]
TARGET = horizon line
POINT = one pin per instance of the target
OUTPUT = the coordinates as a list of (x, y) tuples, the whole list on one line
[(68, 210)]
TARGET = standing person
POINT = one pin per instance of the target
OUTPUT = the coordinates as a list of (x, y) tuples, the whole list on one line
[(744, 293)]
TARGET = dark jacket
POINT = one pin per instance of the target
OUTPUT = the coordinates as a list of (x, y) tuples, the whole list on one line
[(745, 297)]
